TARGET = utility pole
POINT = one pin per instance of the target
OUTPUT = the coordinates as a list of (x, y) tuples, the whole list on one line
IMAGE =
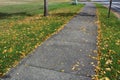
[(45, 8), (109, 8)]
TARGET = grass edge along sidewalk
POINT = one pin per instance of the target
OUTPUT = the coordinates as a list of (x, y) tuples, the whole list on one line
[(20, 37), (108, 45)]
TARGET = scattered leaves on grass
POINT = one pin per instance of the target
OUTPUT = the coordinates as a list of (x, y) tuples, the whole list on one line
[(21, 35), (108, 45), (105, 78)]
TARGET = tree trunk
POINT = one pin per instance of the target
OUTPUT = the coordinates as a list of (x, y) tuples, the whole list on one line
[(76, 2), (109, 8), (45, 8)]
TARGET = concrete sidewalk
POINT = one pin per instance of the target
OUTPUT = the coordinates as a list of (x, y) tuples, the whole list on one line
[(64, 56)]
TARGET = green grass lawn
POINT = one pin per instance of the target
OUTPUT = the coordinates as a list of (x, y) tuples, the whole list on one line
[(13, 2), (23, 28), (109, 45)]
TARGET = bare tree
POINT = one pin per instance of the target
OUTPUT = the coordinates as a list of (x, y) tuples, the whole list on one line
[(45, 8)]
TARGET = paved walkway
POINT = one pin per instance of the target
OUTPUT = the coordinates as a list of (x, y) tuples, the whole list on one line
[(64, 56)]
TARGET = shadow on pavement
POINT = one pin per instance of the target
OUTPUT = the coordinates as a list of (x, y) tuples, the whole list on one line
[(86, 14)]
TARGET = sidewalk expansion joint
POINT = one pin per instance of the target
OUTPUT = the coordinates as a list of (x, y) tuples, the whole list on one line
[(39, 67)]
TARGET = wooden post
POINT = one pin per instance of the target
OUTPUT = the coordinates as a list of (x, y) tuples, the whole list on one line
[(45, 8), (109, 8)]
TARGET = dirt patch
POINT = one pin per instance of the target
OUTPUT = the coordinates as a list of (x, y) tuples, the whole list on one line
[(13, 2)]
